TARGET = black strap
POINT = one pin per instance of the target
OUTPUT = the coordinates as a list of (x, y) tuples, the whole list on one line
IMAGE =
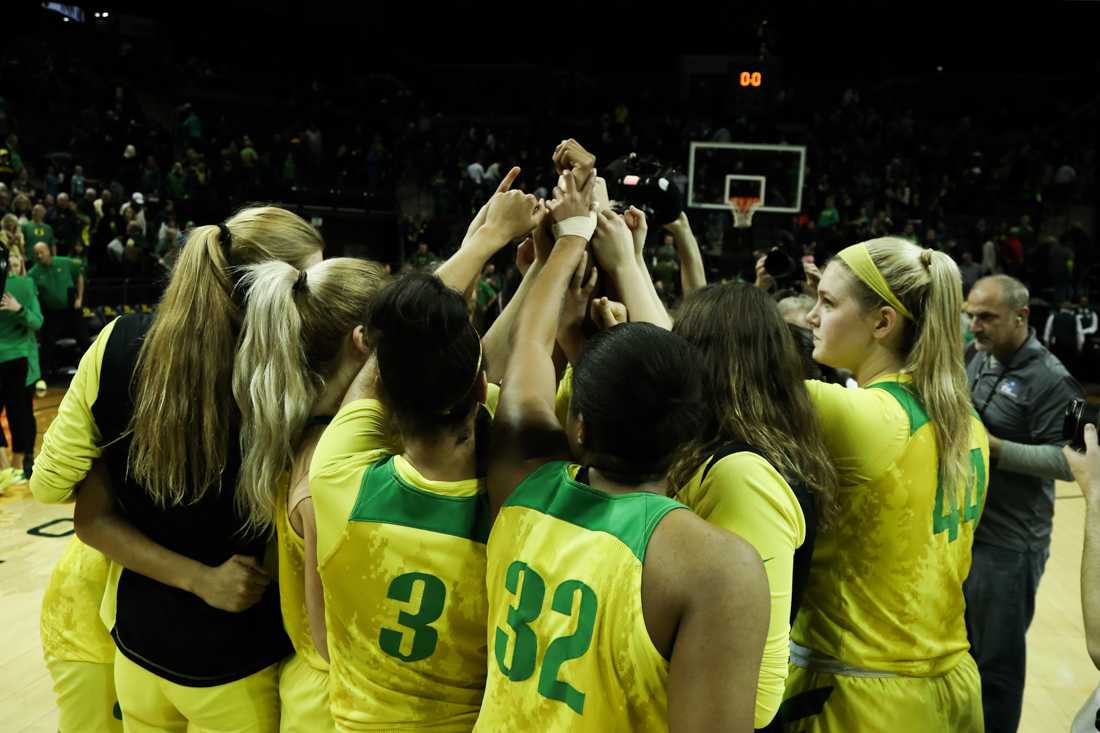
[(803, 705), (316, 420), (800, 573)]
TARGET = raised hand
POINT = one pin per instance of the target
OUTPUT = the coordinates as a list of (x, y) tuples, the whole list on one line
[(607, 313), (635, 221), (479, 220), (571, 199), (613, 242), (570, 155), (511, 214), (764, 281), (1086, 464)]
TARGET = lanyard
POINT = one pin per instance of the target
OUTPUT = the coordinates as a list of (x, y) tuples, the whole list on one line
[(992, 392)]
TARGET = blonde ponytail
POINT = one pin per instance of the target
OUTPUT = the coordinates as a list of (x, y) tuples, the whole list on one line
[(294, 326), (928, 283), (936, 364), (271, 384)]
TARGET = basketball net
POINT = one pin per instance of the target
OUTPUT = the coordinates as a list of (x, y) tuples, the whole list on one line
[(743, 208)]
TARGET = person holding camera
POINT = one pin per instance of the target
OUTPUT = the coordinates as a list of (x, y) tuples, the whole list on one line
[(1020, 390), (1085, 465)]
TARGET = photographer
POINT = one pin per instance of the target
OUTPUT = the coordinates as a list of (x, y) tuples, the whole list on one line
[(1020, 391)]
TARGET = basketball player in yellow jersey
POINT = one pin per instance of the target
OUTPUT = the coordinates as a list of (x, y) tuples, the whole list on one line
[(880, 643), (294, 363), (610, 608), (402, 525)]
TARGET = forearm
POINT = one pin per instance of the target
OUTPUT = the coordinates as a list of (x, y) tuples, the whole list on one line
[(498, 341), (1090, 576), (651, 289), (80, 288), (639, 298), (538, 321), (692, 273), (105, 530), (461, 270), (1041, 461)]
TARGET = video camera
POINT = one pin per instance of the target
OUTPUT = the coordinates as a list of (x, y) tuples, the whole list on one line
[(645, 183)]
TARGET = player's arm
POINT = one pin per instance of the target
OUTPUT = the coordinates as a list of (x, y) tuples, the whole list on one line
[(235, 585), (526, 432), (1086, 471), (714, 597)]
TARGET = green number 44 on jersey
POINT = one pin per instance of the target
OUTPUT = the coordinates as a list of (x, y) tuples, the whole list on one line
[(949, 520), (527, 609)]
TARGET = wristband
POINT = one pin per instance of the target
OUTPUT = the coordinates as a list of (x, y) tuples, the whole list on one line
[(576, 226)]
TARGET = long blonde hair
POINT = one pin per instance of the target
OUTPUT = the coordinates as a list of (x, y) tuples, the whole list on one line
[(295, 324), (183, 408), (928, 283)]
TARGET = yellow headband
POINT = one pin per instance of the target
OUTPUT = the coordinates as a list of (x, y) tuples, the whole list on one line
[(858, 258)]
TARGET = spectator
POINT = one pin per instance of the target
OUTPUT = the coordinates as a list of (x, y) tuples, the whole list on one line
[(10, 226), (77, 184), (1020, 391), (61, 293), (829, 216), (970, 270), (85, 206), (65, 223), (136, 204), (989, 257), (7, 169), (129, 174), (21, 207), (53, 181), (423, 258), (5, 201), (175, 183), (37, 230), (20, 319)]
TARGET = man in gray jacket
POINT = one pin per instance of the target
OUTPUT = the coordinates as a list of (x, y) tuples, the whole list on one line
[(1020, 390)]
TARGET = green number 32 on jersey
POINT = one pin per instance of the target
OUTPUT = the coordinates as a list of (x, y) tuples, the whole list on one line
[(949, 520), (527, 609)]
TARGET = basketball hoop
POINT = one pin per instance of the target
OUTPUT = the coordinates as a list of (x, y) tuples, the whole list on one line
[(743, 208)]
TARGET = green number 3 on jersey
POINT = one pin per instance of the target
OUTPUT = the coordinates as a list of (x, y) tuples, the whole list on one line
[(424, 638)]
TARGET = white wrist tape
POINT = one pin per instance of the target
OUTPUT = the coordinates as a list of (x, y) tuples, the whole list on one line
[(576, 226)]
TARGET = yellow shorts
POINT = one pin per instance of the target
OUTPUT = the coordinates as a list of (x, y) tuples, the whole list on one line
[(303, 698), (824, 702), (151, 703), (85, 696)]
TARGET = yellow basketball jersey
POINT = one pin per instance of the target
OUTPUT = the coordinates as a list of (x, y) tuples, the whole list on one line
[(885, 588), (568, 645), (70, 624), (405, 603), (292, 578)]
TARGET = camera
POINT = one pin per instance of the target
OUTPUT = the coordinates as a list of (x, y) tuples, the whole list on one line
[(1078, 414), (645, 183), (784, 269)]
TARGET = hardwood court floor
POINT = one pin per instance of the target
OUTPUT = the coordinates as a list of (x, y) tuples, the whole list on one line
[(1059, 673)]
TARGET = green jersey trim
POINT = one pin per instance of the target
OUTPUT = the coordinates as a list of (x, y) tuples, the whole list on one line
[(630, 518), (385, 498)]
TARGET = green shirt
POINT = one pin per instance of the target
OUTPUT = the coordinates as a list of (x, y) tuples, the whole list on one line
[(35, 233), (55, 282), (17, 330)]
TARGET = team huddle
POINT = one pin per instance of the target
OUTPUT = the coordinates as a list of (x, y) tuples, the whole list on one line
[(312, 497)]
